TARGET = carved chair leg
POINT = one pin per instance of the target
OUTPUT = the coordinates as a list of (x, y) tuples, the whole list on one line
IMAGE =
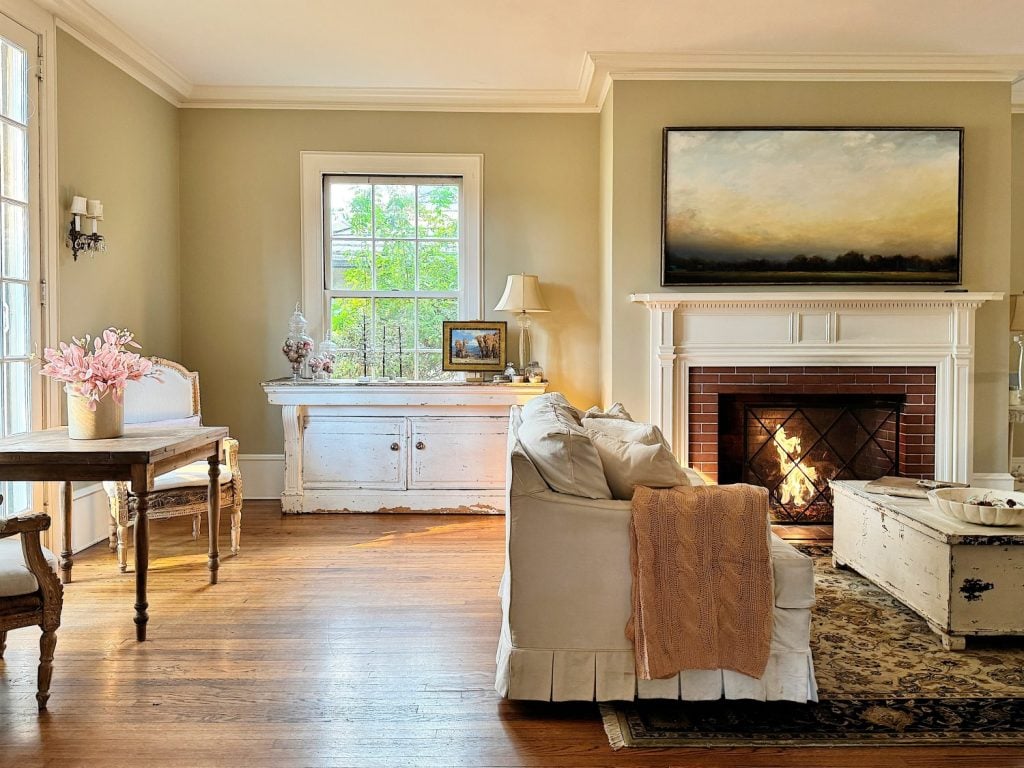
[(197, 526), (3, 643), (47, 644), (113, 534), (122, 547), (236, 529)]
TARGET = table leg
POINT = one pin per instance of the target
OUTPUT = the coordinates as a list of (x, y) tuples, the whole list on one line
[(67, 561), (214, 507), (141, 564)]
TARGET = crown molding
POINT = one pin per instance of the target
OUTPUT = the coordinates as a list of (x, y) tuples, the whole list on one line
[(611, 66), (104, 37), (598, 71), (386, 99)]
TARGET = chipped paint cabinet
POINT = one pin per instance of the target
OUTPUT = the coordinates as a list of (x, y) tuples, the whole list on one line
[(395, 447), (962, 579)]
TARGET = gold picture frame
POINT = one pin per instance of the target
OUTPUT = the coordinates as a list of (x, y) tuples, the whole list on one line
[(474, 345)]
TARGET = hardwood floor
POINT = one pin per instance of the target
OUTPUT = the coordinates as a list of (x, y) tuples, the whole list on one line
[(355, 640)]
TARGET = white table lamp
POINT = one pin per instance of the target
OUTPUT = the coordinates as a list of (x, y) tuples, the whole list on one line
[(522, 294), (1017, 327)]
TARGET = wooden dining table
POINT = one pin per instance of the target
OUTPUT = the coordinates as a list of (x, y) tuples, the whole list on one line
[(139, 457)]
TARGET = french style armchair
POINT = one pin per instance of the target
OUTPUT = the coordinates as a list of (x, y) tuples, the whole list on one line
[(30, 592), (171, 399)]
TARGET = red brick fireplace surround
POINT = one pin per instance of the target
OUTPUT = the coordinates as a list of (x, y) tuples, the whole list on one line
[(915, 384)]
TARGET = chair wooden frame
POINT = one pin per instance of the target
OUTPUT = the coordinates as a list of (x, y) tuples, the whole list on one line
[(178, 502), (40, 608)]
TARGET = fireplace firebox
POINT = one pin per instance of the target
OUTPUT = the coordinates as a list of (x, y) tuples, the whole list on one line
[(794, 444), (887, 412)]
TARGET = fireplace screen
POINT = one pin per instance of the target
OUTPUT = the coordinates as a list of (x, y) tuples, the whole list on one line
[(794, 448)]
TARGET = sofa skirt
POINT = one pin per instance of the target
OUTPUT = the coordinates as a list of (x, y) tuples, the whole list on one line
[(543, 674)]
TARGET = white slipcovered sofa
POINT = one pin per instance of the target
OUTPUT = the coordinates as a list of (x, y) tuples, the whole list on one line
[(565, 600)]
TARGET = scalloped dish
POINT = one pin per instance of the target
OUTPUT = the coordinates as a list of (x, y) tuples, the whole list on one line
[(980, 506)]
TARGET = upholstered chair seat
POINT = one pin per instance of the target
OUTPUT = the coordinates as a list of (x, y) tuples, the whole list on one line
[(171, 399)]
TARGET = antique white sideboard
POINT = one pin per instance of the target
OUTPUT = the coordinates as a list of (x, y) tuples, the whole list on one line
[(415, 447)]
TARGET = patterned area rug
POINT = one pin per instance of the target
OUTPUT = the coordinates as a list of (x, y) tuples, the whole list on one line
[(883, 679)]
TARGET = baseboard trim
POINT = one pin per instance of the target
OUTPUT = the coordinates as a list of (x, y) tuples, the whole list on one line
[(262, 475)]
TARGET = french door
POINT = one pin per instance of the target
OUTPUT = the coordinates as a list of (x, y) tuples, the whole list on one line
[(20, 386)]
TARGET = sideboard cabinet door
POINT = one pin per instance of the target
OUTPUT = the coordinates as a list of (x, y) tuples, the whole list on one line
[(354, 452), (465, 452)]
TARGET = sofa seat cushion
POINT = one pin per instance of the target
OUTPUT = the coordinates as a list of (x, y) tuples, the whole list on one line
[(551, 435), (794, 575), (194, 475), (15, 577)]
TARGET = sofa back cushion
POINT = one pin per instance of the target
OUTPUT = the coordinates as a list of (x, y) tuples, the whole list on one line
[(551, 435), (629, 463)]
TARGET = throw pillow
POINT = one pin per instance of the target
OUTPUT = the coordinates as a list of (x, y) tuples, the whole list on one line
[(615, 411), (628, 464), (630, 431), (561, 450)]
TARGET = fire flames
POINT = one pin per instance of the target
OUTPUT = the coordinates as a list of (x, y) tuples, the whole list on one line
[(798, 488)]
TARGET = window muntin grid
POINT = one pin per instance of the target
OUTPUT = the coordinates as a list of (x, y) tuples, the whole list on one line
[(393, 250)]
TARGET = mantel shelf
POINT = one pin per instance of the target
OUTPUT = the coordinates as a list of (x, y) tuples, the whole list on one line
[(817, 297)]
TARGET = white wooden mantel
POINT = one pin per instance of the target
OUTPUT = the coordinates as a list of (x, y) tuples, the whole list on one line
[(414, 446), (925, 328)]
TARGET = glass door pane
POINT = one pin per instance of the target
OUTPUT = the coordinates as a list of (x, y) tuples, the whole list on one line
[(18, 296)]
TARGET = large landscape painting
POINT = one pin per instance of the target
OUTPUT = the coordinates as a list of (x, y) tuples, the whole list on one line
[(869, 205)]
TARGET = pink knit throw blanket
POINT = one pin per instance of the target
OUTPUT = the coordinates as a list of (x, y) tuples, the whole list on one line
[(703, 591)]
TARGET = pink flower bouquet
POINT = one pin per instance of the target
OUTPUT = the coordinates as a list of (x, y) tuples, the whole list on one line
[(93, 367)]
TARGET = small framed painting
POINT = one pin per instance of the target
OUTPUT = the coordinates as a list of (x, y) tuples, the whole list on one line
[(474, 345), (748, 206)]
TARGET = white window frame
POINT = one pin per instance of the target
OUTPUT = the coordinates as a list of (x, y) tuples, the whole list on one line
[(45, 224), (315, 165)]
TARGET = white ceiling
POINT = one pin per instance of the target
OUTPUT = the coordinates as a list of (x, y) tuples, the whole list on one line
[(520, 45)]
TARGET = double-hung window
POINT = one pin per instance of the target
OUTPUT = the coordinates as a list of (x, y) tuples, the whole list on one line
[(398, 254)]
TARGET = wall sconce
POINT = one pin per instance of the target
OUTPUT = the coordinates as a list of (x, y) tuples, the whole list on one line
[(77, 240)]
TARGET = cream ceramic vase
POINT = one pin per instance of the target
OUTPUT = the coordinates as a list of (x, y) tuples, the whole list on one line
[(106, 421)]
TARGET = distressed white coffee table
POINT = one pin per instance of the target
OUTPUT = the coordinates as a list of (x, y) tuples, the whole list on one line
[(962, 579)]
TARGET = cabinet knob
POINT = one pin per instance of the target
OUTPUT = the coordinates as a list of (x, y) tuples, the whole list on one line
[(395, 446), (420, 445)]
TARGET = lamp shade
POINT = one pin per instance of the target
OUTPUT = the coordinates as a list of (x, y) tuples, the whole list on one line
[(1017, 312), (522, 294), (78, 205)]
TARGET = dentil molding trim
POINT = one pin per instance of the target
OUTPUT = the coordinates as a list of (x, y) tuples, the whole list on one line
[(597, 72)]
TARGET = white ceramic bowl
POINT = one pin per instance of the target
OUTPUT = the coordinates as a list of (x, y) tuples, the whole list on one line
[(953, 502)]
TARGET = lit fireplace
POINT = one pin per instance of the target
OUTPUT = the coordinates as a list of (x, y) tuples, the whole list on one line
[(797, 488), (793, 446)]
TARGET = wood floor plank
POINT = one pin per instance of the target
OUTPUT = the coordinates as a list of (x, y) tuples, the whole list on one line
[(350, 641)]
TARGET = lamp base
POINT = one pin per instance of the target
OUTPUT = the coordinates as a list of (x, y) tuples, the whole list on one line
[(524, 321)]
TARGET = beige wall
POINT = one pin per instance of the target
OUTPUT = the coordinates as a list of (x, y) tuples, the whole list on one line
[(1017, 240), (241, 239), (118, 142), (642, 109)]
